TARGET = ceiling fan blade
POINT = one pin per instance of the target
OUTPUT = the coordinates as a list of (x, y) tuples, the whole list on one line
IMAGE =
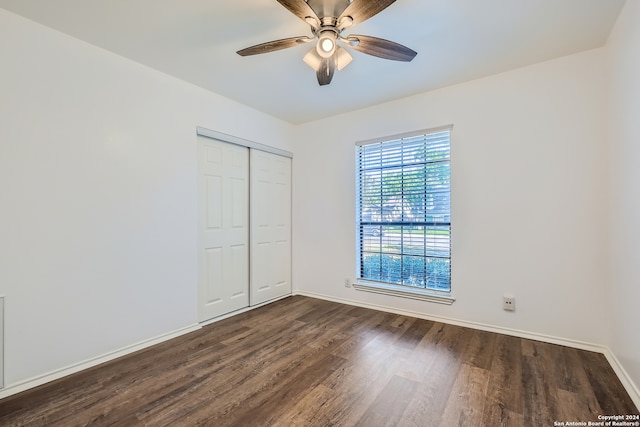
[(326, 70), (361, 10), (380, 47), (274, 45), (300, 8)]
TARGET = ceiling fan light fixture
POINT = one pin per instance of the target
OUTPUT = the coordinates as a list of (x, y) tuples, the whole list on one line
[(312, 59), (326, 44), (343, 58)]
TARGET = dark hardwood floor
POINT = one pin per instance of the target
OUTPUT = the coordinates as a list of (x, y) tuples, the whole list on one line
[(307, 362)]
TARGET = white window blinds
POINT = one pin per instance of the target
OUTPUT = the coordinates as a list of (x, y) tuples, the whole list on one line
[(403, 211)]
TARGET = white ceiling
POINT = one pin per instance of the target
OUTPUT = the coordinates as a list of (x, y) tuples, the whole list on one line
[(456, 41)]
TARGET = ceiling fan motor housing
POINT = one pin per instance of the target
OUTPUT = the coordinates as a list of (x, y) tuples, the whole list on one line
[(328, 8)]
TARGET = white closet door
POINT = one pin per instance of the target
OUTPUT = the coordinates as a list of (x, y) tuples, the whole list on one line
[(270, 226), (223, 228)]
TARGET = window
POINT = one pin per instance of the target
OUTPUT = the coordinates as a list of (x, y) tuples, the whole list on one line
[(403, 212)]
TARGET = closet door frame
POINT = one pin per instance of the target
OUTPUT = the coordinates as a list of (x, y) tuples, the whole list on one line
[(200, 131)]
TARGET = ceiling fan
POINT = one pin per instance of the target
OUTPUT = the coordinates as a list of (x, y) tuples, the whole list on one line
[(328, 19)]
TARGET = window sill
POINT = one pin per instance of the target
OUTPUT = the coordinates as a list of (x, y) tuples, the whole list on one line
[(404, 292)]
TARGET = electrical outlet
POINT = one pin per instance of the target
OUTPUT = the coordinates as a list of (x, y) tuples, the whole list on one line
[(347, 283), (509, 302)]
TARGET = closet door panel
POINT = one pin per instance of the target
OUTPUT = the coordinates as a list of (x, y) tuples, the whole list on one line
[(270, 226), (223, 245)]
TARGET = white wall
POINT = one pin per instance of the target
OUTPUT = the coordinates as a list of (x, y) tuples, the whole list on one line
[(98, 197), (529, 197), (624, 83)]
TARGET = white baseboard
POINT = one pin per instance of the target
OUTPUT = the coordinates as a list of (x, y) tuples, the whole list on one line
[(626, 381), (242, 310), (72, 369), (467, 324), (624, 377)]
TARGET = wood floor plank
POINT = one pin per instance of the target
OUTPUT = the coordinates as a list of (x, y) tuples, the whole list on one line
[(480, 350), (267, 409), (310, 409), (607, 388), (369, 328), (580, 385), (388, 407), (540, 402), (357, 384), (465, 405), (419, 362), (504, 404), (414, 334), (307, 362), (527, 347), (446, 346), (563, 373), (570, 407)]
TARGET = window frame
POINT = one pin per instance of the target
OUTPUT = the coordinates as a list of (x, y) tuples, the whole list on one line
[(388, 288)]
